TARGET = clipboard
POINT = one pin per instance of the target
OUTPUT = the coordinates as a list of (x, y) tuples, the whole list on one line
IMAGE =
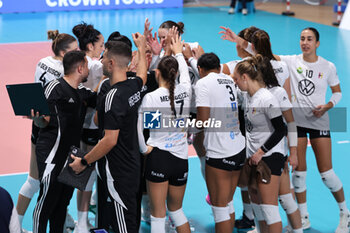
[(27, 96)]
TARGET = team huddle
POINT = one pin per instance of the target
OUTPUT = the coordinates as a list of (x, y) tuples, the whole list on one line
[(111, 102)]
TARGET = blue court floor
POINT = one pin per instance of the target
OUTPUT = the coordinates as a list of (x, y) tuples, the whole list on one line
[(202, 25)]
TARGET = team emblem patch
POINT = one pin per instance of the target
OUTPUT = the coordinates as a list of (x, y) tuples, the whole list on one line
[(306, 87), (300, 70)]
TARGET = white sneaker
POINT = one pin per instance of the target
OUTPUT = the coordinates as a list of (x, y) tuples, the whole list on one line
[(288, 229), (305, 222), (253, 231), (231, 10), (244, 11), (25, 231), (69, 223), (344, 223)]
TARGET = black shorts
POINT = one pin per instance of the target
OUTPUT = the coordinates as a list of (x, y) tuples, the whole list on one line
[(275, 162), (233, 163), (35, 133), (163, 166), (90, 136), (313, 133)]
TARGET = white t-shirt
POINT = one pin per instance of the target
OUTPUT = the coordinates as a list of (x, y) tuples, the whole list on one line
[(282, 98), (260, 109), (95, 75), (219, 93), (48, 69), (309, 82), (281, 71), (174, 140), (231, 65)]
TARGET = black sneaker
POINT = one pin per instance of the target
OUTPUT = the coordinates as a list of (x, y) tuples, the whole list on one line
[(244, 223)]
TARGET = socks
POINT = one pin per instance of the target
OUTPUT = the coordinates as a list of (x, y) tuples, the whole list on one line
[(82, 220), (303, 209), (342, 207), (20, 218)]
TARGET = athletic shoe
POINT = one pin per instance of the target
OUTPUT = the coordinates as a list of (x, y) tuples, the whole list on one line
[(231, 11), (207, 199), (288, 229), (344, 223), (70, 223), (244, 223), (253, 231), (305, 222), (25, 231), (244, 11)]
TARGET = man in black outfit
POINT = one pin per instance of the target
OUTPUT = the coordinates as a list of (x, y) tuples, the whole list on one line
[(67, 101), (118, 152)]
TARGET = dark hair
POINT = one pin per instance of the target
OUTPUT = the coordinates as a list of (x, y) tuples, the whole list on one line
[(314, 30), (71, 60), (86, 34), (261, 41), (247, 33), (169, 24), (168, 68), (60, 41), (116, 36), (258, 68), (120, 50), (209, 61)]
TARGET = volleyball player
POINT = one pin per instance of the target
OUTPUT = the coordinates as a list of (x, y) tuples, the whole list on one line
[(117, 152), (310, 76), (91, 41), (264, 133), (67, 100), (225, 147), (48, 69), (167, 152)]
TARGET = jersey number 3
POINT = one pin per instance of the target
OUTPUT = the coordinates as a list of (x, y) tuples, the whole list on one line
[(232, 97)]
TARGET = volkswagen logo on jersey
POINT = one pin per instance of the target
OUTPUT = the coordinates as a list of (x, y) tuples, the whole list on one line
[(248, 125), (300, 70), (306, 87), (152, 120)]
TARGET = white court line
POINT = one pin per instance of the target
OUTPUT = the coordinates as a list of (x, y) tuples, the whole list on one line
[(343, 142)]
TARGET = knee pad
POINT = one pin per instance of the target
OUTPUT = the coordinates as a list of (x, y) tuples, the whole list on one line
[(90, 183), (258, 212), (30, 187), (288, 203), (271, 213), (245, 189), (299, 181), (178, 217), (331, 180), (231, 208), (157, 225), (221, 214)]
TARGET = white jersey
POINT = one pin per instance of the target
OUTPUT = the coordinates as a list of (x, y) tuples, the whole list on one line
[(219, 93), (175, 140), (95, 75), (231, 65), (309, 82), (282, 98), (48, 69), (281, 71), (260, 109)]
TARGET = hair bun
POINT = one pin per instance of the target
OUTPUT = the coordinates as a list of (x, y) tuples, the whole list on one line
[(181, 26), (81, 29), (52, 34)]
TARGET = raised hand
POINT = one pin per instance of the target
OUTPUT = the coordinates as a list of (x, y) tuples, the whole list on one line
[(187, 52), (198, 52), (139, 40), (153, 43), (176, 44), (228, 34), (147, 31)]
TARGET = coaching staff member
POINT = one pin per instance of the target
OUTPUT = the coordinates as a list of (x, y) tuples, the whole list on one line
[(67, 100), (118, 152)]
